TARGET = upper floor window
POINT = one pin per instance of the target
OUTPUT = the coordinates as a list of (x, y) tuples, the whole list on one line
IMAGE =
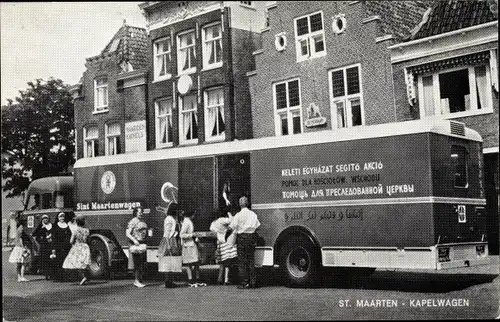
[(188, 122), (346, 97), (212, 46), (247, 3), (113, 139), (214, 115), (288, 111), (186, 53), (164, 129), (309, 36), (91, 139), (456, 92), (101, 94), (163, 59)]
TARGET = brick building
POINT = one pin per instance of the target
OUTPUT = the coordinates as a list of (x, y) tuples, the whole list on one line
[(448, 68), (325, 65), (200, 52), (110, 100)]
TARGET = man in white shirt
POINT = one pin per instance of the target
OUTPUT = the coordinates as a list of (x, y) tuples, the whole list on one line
[(244, 223)]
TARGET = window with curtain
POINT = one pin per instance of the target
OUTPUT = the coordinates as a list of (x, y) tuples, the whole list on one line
[(164, 129), (188, 123), (288, 110), (186, 53), (214, 115), (113, 139), (455, 92), (91, 137), (309, 36), (212, 46), (346, 96), (100, 94), (163, 59)]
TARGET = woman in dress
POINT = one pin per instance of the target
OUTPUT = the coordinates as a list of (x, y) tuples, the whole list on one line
[(190, 255), (61, 243), (169, 255), (20, 254), (43, 235), (136, 234), (79, 256)]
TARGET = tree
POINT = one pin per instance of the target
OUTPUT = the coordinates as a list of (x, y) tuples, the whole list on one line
[(37, 134)]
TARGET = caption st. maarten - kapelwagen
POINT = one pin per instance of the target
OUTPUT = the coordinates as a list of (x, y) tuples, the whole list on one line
[(365, 303)]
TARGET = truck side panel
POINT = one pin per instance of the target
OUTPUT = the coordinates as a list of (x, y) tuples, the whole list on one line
[(372, 192), (133, 184)]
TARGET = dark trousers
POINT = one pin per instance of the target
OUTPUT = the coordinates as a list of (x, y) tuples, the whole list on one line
[(246, 259), (139, 262)]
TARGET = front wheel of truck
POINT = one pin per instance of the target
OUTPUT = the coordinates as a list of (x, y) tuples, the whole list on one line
[(300, 262)]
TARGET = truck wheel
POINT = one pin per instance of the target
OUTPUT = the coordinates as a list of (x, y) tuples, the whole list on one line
[(98, 259), (300, 262)]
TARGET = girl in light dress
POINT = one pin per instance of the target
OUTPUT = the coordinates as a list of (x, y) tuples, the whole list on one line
[(79, 255), (20, 254), (190, 255), (226, 246)]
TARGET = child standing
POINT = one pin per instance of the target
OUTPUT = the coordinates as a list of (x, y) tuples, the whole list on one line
[(20, 253), (190, 256), (225, 245)]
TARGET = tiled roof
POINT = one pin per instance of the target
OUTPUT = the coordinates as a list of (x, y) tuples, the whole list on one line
[(397, 18), (130, 43), (449, 15)]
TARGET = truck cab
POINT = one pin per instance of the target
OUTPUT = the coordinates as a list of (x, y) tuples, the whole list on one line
[(46, 196)]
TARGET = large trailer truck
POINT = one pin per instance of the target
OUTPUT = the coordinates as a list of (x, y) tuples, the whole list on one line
[(399, 195)]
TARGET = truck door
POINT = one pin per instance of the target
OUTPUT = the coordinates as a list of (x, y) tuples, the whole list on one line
[(233, 177), (196, 190)]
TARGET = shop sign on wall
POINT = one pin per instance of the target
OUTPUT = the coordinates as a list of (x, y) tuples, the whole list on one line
[(314, 117), (135, 136)]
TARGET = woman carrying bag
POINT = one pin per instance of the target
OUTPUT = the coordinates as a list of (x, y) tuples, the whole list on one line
[(169, 253), (136, 233)]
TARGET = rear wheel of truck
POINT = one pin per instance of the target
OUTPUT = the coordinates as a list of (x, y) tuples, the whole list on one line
[(99, 266), (300, 262)]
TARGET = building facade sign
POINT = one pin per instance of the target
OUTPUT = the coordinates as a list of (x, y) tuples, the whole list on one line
[(135, 136)]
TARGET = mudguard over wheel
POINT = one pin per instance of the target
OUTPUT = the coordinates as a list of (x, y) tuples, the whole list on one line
[(300, 262), (99, 265)]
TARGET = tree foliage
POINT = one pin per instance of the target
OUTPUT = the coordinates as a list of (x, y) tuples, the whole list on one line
[(37, 134)]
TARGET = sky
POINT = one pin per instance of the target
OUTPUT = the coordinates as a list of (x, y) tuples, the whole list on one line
[(52, 39)]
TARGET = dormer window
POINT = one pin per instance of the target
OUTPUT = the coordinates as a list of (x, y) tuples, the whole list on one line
[(101, 94), (163, 59), (310, 37)]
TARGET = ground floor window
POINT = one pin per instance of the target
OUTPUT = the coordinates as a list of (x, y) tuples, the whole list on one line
[(91, 141), (346, 97), (113, 139), (288, 108)]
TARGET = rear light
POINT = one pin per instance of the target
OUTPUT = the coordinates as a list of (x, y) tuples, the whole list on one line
[(480, 250), (444, 254)]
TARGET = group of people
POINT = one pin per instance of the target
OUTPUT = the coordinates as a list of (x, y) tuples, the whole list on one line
[(62, 246), (236, 241)]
